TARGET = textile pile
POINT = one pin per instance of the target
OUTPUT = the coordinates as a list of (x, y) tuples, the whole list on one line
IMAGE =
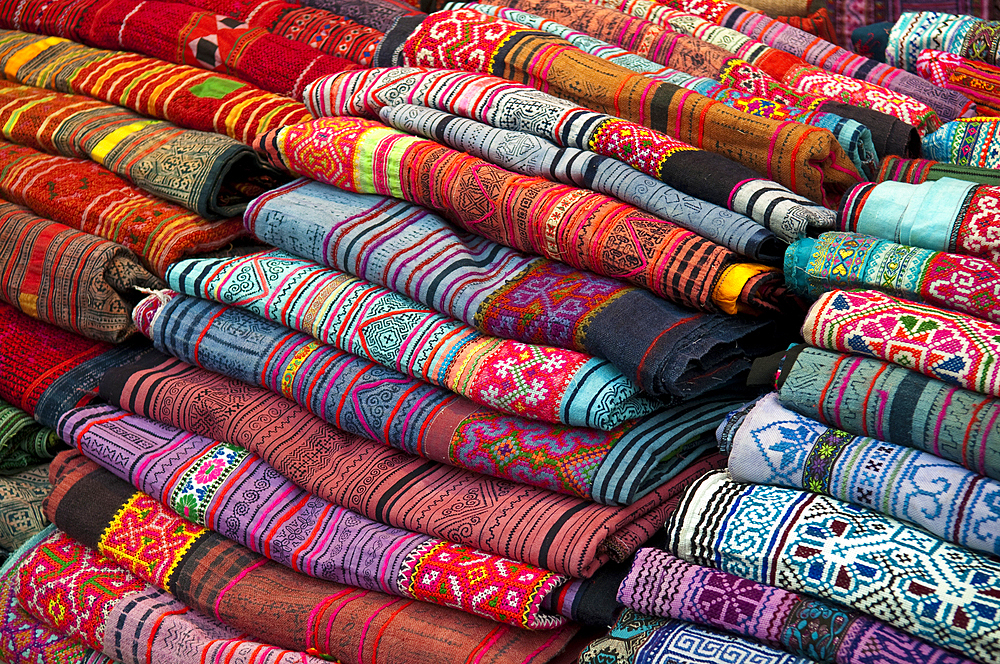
[(506, 332)]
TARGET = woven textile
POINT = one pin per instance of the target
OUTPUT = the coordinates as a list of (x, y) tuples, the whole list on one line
[(375, 323), (506, 105), (45, 371), (872, 40), (914, 32), (659, 584), (969, 142), (569, 535), (639, 639), (952, 347), (917, 171), (851, 260), (808, 543), (377, 14), (23, 442), (935, 66), (942, 215), (267, 601), (579, 227), (21, 497), (769, 444), (233, 492), (818, 23), (71, 279), (210, 174), (84, 195), (667, 350), (365, 399), (978, 81), (869, 397), (186, 96)]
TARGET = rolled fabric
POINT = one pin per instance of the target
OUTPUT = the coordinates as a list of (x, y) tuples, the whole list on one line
[(639, 639), (872, 40), (868, 397), (978, 81), (874, 564), (935, 66), (46, 371), (851, 260), (493, 101), (659, 584), (818, 23), (918, 171), (21, 496), (667, 350), (807, 160), (186, 96), (952, 347), (211, 175), (235, 493), (360, 397), (541, 158), (569, 535), (23, 442), (359, 317), (265, 600), (377, 14), (965, 142), (74, 280), (914, 32), (83, 195), (769, 444), (579, 227)]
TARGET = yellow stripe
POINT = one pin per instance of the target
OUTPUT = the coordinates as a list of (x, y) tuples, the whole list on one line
[(25, 54), (104, 147)]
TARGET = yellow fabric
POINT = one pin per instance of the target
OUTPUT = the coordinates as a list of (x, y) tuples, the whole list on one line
[(108, 143), (25, 54), (726, 294)]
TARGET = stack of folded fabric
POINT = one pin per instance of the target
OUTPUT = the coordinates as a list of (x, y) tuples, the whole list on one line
[(378, 333)]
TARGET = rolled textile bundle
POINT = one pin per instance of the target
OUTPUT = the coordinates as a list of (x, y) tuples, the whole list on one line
[(807, 160), (978, 81), (818, 23), (917, 171), (183, 35), (186, 96), (579, 227), (872, 40), (21, 496), (377, 14), (74, 280), (502, 104), (854, 18), (236, 494), (82, 194), (854, 137), (914, 32), (942, 215), (569, 535), (667, 350), (211, 175), (46, 371), (869, 397), (931, 589), (935, 66), (270, 602), (778, 8), (851, 260), (659, 584), (952, 347), (769, 444), (536, 382), (23, 442), (365, 399), (967, 142), (639, 639), (541, 158)]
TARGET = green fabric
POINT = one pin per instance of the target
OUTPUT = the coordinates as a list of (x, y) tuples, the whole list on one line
[(23, 442)]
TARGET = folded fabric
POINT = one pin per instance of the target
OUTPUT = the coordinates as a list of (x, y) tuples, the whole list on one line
[(818, 23), (966, 142), (86, 196), (565, 534), (869, 397), (186, 96), (576, 226), (507, 105), (808, 543), (871, 40), (918, 171), (365, 399), (769, 444), (233, 492), (852, 260), (853, 19), (74, 280), (537, 382), (778, 8), (658, 584), (952, 347), (935, 66), (541, 158), (590, 601), (21, 498), (914, 32), (805, 159), (212, 175), (946, 214), (639, 639), (23, 442), (377, 14), (978, 81), (46, 371), (267, 601)]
